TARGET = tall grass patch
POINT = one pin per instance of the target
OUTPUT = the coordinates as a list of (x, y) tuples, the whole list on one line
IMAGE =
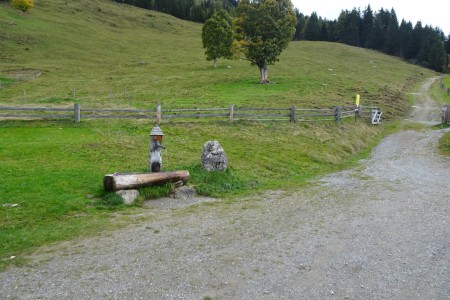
[(444, 144)]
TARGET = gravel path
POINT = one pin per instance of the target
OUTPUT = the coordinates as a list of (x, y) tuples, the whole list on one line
[(378, 231)]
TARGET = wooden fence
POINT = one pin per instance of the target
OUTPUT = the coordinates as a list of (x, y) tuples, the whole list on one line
[(445, 108), (444, 87), (231, 113)]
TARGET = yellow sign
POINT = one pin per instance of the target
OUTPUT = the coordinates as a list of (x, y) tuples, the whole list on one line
[(357, 99)]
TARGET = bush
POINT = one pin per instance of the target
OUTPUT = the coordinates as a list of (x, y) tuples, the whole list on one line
[(22, 5)]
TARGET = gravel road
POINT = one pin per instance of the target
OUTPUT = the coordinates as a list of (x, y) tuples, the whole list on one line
[(378, 231)]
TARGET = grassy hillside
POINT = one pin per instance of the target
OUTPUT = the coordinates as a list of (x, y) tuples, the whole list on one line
[(88, 51)]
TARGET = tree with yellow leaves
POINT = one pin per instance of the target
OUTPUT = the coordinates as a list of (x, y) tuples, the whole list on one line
[(22, 5)]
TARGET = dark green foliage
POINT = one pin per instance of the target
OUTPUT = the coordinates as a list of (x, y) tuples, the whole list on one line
[(447, 44), (312, 31), (192, 10), (263, 29), (381, 31), (301, 23), (217, 36), (348, 28)]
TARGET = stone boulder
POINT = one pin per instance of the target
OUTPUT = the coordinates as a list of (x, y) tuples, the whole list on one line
[(184, 192), (214, 157), (128, 196)]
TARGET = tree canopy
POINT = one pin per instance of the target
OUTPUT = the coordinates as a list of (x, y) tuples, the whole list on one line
[(263, 29), (22, 5), (379, 31), (217, 36)]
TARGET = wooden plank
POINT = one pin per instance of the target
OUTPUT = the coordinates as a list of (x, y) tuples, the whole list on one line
[(35, 108), (262, 115), (116, 117), (317, 115), (43, 116), (261, 109), (118, 110), (194, 116), (193, 109)]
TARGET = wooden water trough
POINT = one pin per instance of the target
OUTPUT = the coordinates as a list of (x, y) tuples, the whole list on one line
[(129, 181)]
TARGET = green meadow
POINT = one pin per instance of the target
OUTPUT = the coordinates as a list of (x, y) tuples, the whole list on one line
[(103, 54)]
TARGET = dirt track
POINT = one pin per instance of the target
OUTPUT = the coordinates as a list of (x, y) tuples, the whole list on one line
[(379, 231)]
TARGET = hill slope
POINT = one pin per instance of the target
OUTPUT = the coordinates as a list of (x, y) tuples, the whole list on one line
[(91, 51)]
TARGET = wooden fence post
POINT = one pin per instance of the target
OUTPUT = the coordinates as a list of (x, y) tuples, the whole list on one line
[(338, 115), (292, 114), (231, 113), (158, 114), (77, 112)]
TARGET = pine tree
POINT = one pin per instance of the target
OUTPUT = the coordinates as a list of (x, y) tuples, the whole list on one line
[(311, 31), (367, 28), (406, 40), (391, 39)]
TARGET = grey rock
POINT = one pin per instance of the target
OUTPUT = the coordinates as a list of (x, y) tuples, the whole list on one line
[(128, 196), (184, 192), (214, 157)]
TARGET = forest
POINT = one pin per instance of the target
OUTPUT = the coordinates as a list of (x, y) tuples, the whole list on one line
[(378, 30)]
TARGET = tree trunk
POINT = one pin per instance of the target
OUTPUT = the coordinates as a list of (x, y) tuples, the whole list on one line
[(215, 63), (124, 181), (264, 74)]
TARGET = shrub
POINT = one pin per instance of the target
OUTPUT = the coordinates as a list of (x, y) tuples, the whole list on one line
[(22, 5)]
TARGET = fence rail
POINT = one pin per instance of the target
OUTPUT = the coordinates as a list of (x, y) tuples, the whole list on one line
[(231, 113)]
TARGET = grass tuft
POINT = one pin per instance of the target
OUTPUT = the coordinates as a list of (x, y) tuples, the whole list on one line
[(111, 199), (219, 183), (155, 192), (444, 143)]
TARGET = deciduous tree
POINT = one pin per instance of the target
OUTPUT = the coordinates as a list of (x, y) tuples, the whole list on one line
[(217, 36), (22, 5), (263, 29)]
